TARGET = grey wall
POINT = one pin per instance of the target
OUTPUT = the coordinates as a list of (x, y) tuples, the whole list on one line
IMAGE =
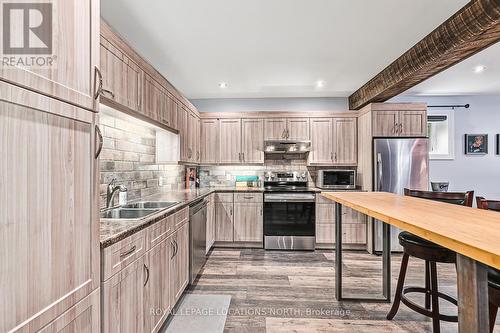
[(271, 104), (465, 172)]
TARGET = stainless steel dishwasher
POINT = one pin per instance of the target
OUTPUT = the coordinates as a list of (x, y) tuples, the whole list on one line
[(197, 237)]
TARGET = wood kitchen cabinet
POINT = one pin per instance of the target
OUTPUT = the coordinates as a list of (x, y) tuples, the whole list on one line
[(252, 141), (172, 112), (248, 217), (179, 263), (224, 227), (345, 141), (71, 75), (321, 141), (123, 299), (210, 222), (209, 141), (333, 141), (121, 77), (230, 141), (286, 129), (399, 123), (48, 175), (182, 122), (157, 300), (155, 103)]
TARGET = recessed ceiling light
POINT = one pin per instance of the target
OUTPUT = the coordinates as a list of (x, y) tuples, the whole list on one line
[(320, 84), (223, 85), (479, 69)]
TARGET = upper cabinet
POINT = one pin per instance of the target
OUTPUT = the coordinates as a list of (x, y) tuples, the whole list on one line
[(399, 123), (252, 141), (286, 129), (155, 105), (209, 141), (69, 70), (230, 141), (333, 141)]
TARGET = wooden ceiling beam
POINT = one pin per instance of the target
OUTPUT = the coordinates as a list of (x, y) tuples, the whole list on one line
[(472, 29)]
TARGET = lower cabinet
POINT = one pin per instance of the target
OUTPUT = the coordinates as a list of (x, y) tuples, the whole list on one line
[(139, 297), (179, 263), (248, 222), (210, 222), (83, 317), (224, 228)]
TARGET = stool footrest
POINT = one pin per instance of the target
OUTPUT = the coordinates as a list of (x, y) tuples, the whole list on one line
[(428, 313)]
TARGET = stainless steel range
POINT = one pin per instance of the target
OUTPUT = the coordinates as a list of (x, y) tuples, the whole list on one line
[(289, 212)]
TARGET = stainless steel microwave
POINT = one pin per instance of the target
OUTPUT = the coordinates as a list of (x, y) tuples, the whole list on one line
[(336, 179)]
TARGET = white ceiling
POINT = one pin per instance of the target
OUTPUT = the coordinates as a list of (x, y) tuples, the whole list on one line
[(273, 48), (461, 78)]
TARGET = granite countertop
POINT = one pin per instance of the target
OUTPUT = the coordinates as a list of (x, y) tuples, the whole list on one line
[(113, 230)]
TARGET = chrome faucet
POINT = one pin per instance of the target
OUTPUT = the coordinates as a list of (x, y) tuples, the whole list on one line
[(112, 188)]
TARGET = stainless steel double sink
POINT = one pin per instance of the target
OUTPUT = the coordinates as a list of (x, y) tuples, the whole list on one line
[(137, 210)]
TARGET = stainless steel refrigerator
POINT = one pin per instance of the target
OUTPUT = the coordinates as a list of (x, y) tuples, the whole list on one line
[(398, 163)]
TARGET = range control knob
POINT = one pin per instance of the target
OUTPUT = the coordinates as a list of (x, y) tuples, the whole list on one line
[(303, 175)]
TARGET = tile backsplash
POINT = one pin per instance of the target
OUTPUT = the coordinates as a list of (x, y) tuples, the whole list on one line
[(128, 155)]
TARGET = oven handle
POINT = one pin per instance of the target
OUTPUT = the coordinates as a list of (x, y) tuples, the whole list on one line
[(289, 200)]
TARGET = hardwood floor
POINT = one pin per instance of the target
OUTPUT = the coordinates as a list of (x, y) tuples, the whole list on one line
[(275, 291)]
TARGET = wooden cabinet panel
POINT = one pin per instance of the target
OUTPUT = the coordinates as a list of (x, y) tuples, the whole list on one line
[(182, 120), (224, 197), (413, 123), (172, 112), (157, 232), (384, 123), (121, 77), (210, 223), (123, 300), (248, 223), (230, 140), (83, 317), (209, 141), (248, 197), (75, 54), (49, 238), (121, 254), (224, 228), (325, 233), (321, 141), (325, 213), (353, 233), (157, 286), (252, 140), (179, 263), (155, 101), (191, 137), (344, 141), (274, 129), (197, 140), (298, 129)]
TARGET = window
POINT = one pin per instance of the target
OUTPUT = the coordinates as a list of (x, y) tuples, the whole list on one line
[(441, 135)]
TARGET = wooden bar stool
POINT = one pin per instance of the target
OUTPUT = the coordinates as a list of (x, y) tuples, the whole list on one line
[(493, 274), (432, 253)]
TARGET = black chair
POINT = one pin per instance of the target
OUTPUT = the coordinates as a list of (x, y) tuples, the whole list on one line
[(493, 274), (432, 253)]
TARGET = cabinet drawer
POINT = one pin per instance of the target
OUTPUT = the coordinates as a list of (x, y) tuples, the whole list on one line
[(181, 217), (159, 231), (224, 197), (325, 213), (248, 197), (119, 255)]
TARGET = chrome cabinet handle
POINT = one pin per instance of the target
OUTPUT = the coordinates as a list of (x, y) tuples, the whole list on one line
[(400, 128), (246, 197), (101, 141), (147, 275), (126, 253), (173, 250), (176, 247), (287, 133), (243, 157), (100, 90), (283, 134), (335, 157)]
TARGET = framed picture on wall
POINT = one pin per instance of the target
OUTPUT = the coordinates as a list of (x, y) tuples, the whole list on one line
[(476, 144)]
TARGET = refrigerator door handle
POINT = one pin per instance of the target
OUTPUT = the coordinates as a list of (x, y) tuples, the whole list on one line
[(379, 172)]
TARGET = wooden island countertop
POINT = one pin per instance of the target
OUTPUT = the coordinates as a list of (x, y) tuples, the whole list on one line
[(472, 232)]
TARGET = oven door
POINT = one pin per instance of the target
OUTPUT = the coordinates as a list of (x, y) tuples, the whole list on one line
[(289, 221)]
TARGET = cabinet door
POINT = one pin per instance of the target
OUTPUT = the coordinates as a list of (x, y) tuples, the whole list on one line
[(121, 78), (274, 129), (298, 129), (183, 117), (210, 225), (230, 141), (81, 318), (413, 123), (191, 152), (155, 103), (157, 289), (321, 141), (224, 229), (384, 123), (198, 140), (46, 204), (123, 302), (252, 140), (179, 263), (248, 223), (344, 141), (209, 140), (172, 111), (75, 54)]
